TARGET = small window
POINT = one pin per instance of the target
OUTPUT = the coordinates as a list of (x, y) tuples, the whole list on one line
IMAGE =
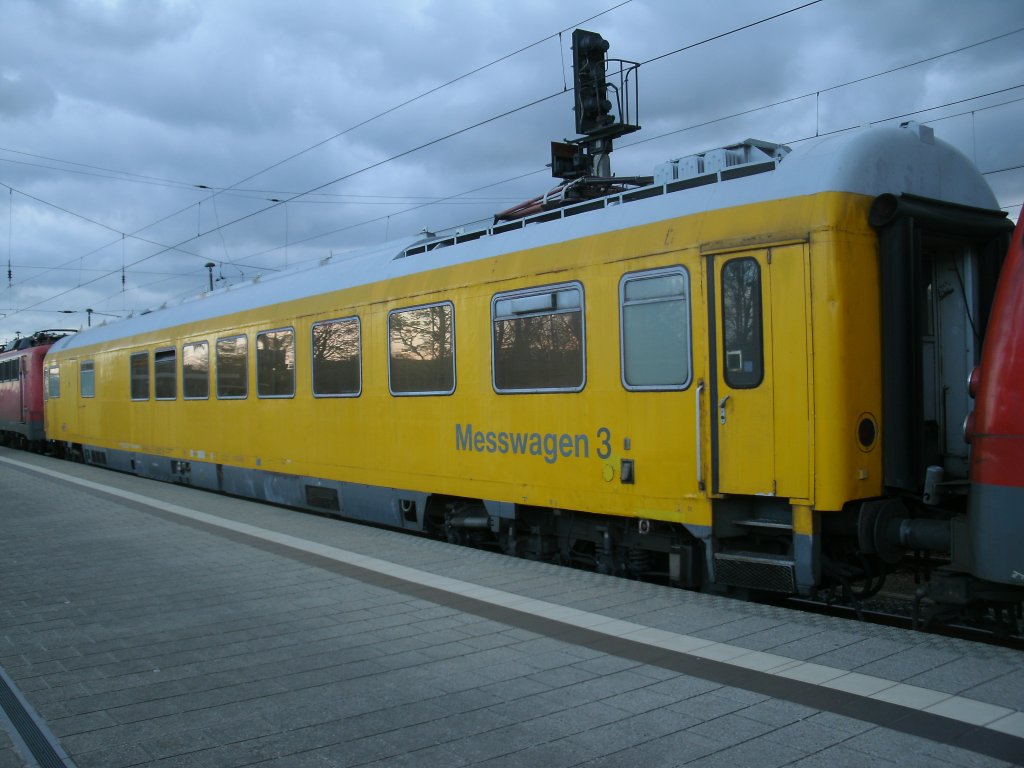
[(53, 382), (195, 370), (742, 338), (233, 367), (139, 364), (275, 363), (422, 350), (336, 353), (655, 318), (87, 379), (165, 373), (537, 340)]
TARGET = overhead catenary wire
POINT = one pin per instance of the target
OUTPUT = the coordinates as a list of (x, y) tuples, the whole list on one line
[(544, 169), (220, 226), (627, 146), (656, 58), (425, 144), (316, 145), (318, 188)]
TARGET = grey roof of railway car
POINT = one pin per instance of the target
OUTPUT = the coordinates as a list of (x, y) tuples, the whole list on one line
[(870, 161)]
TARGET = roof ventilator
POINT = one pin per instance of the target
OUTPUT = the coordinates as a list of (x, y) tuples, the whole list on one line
[(732, 162)]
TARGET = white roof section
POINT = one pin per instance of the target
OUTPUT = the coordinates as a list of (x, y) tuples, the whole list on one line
[(869, 161)]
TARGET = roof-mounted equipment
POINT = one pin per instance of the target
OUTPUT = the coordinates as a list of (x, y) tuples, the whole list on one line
[(605, 107)]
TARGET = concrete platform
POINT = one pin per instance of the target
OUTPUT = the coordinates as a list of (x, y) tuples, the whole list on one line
[(150, 624)]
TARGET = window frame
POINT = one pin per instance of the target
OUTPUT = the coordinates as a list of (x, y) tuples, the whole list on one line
[(184, 378), (156, 377), (53, 376), (131, 377), (726, 372), (295, 363), (359, 356), (675, 269), (525, 293), (245, 373), (91, 370), (423, 393)]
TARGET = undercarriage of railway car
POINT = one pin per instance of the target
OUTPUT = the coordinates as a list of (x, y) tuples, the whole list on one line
[(629, 547), (894, 549)]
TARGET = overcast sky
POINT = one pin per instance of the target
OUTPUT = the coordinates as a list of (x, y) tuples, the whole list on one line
[(119, 120)]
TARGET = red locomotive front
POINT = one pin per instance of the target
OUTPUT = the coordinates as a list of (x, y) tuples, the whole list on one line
[(996, 430)]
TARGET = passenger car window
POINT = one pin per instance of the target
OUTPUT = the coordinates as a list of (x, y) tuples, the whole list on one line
[(233, 367), (537, 340), (655, 318), (742, 335), (421, 343), (87, 379), (53, 382), (139, 372), (195, 370), (165, 374), (336, 358), (275, 363)]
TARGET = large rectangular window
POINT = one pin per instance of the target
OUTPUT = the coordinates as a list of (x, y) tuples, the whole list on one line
[(195, 370), (422, 350), (655, 317), (165, 374), (87, 379), (139, 368), (537, 340), (336, 353), (275, 363), (233, 367), (742, 336)]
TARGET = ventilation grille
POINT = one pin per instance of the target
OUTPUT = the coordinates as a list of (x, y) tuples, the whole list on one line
[(755, 571)]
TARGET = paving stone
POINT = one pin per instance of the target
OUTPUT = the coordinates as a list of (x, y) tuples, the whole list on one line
[(164, 644)]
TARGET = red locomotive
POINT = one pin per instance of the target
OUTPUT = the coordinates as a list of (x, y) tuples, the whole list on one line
[(996, 432), (21, 389)]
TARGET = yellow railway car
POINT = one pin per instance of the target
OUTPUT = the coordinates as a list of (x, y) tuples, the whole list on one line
[(739, 376)]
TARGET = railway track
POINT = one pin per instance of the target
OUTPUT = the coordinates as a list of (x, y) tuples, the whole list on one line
[(895, 609)]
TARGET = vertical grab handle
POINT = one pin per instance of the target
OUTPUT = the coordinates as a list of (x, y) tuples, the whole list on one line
[(697, 421)]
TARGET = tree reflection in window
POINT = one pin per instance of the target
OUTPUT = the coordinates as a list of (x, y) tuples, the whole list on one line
[(422, 350), (336, 367), (233, 367), (275, 363), (195, 371), (538, 340), (742, 335), (165, 374)]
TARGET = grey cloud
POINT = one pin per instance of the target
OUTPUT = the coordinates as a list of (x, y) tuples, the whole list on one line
[(25, 95)]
